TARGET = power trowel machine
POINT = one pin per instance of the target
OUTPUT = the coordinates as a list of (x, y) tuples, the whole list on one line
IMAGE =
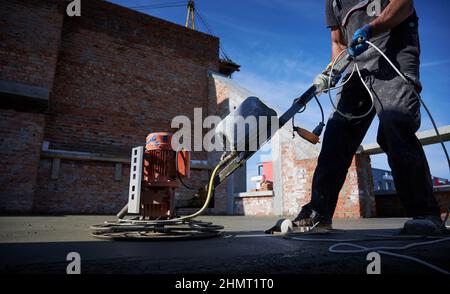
[(157, 169)]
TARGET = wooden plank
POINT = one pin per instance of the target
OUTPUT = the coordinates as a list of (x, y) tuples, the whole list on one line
[(445, 188), (254, 194), (56, 164), (118, 172), (428, 137), (21, 89), (68, 155), (86, 156)]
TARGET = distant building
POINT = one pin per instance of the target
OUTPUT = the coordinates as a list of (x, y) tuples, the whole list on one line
[(386, 200), (383, 182), (264, 180), (440, 182)]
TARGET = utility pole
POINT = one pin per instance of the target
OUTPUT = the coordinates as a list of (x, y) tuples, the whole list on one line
[(191, 15)]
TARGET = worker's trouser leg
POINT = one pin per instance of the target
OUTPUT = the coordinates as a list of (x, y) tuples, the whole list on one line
[(341, 140), (399, 112), (398, 109)]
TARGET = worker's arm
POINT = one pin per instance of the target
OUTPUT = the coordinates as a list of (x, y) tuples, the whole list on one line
[(393, 15), (337, 46), (338, 43)]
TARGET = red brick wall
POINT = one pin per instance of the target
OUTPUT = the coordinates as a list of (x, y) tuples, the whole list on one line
[(258, 206), (355, 199), (20, 144), (443, 199), (391, 206), (82, 187), (115, 75), (30, 33), (121, 75), (363, 167)]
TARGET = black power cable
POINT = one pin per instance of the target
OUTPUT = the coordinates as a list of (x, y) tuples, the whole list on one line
[(294, 127), (319, 129), (160, 5), (321, 109), (178, 174), (202, 19), (210, 31)]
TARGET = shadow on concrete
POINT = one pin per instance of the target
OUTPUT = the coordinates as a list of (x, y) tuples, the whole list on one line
[(248, 252)]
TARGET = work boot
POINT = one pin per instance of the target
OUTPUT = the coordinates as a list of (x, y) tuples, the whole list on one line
[(282, 227), (308, 220), (424, 226)]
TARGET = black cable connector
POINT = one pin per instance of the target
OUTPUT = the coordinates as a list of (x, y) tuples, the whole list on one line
[(319, 129)]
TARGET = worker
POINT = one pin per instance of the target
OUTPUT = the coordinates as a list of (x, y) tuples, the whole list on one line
[(393, 27)]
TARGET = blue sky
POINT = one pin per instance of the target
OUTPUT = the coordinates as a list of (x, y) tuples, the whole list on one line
[(283, 44)]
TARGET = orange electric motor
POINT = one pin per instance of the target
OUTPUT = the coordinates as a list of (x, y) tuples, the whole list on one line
[(162, 167)]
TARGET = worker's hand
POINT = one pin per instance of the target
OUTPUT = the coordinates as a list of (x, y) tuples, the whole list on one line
[(321, 81), (359, 44)]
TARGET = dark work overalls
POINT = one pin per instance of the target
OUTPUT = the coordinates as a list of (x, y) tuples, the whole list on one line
[(398, 110)]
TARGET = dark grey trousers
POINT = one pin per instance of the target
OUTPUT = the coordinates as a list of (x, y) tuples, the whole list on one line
[(398, 110)]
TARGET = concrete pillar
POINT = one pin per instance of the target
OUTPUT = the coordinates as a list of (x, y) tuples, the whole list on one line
[(277, 176), (365, 184)]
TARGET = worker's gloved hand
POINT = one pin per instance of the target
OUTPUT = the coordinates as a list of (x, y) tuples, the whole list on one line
[(321, 80), (359, 44)]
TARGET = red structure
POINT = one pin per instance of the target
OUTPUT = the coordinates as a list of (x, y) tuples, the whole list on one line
[(161, 168), (440, 182), (267, 170), (265, 182)]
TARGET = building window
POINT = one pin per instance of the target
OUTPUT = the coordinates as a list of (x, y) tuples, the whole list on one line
[(260, 170)]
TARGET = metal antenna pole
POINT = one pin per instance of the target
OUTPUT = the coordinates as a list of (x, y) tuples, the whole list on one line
[(191, 14)]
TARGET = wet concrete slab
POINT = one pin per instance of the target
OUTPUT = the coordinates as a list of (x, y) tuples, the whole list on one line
[(37, 244)]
